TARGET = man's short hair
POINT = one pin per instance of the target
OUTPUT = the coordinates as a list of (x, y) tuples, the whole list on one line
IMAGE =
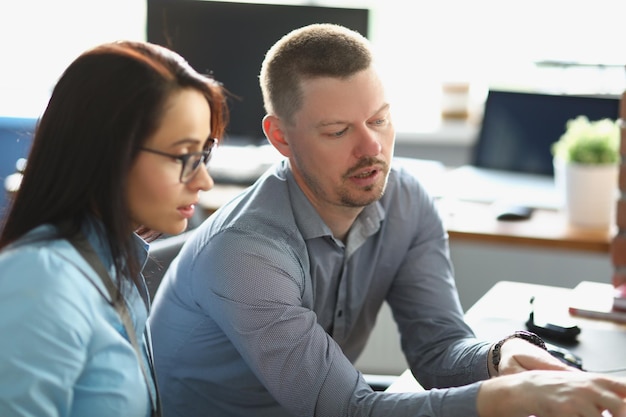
[(318, 50)]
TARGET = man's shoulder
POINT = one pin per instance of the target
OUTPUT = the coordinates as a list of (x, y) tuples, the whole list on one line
[(404, 189), (405, 184), (263, 209), (257, 224)]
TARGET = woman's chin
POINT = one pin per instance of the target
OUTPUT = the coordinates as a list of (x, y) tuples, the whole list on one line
[(172, 228)]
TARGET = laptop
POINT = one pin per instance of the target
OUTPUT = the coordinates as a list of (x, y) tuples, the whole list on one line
[(512, 158), (485, 185)]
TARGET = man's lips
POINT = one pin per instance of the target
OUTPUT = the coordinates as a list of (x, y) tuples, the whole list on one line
[(365, 177), (366, 173), (366, 166)]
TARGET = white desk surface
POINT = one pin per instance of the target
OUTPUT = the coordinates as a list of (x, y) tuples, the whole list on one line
[(504, 309)]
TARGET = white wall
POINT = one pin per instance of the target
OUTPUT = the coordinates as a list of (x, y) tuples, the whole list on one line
[(39, 38), (480, 41)]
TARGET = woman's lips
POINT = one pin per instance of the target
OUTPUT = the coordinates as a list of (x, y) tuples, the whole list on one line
[(187, 211)]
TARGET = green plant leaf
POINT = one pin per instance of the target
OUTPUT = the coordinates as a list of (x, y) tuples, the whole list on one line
[(589, 142)]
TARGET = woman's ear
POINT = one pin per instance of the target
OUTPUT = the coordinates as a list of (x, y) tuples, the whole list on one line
[(272, 127)]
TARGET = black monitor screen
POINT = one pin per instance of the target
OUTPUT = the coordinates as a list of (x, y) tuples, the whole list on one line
[(229, 41), (519, 128)]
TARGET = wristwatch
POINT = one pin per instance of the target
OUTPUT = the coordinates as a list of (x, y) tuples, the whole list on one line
[(520, 334)]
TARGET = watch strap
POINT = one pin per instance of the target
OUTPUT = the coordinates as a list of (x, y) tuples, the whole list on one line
[(520, 334)]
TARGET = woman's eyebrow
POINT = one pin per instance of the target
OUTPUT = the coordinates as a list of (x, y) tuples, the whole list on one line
[(188, 141)]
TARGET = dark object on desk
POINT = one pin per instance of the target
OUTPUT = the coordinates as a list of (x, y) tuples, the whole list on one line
[(565, 356), (512, 212), (551, 331)]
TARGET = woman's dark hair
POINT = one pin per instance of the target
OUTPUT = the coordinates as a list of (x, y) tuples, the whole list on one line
[(106, 104)]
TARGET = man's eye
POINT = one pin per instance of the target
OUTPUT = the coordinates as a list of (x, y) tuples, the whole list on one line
[(340, 133)]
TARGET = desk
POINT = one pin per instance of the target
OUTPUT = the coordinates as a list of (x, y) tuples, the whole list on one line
[(546, 228), (476, 222), (504, 309)]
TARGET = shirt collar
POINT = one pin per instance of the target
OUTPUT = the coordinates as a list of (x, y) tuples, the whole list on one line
[(94, 230), (312, 226)]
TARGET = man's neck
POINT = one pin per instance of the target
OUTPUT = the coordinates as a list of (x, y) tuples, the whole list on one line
[(339, 220)]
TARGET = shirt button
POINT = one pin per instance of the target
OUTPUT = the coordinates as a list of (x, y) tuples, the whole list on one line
[(339, 313)]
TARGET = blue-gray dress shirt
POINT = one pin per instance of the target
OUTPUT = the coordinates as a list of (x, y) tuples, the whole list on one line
[(264, 312)]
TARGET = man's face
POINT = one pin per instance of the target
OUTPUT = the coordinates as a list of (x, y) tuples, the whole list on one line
[(341, 140)]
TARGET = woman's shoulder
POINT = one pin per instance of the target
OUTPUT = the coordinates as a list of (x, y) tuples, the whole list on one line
[(43, 268), (43, 292)]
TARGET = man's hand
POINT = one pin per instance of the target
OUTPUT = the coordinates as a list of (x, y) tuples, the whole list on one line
[(518, 355), (552, 394)]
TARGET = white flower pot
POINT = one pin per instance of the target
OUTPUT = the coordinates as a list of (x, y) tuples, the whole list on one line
[(588, 192)]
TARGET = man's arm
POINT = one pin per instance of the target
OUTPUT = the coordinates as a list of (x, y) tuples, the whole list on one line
[(263, 305), (440, 347)]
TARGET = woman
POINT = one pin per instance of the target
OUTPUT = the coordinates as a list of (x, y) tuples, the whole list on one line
[(120, 152)]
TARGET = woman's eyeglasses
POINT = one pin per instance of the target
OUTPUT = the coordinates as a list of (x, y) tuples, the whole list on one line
[(190, 161)]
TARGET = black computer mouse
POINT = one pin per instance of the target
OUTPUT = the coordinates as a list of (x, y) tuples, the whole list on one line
[(565, 356), (512, 212)]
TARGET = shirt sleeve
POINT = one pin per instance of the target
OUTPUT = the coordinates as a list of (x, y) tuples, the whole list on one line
[(256, 295), (45, 328), (440, 347)]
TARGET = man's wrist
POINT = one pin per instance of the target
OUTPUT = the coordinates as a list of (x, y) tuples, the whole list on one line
[(520, 334)]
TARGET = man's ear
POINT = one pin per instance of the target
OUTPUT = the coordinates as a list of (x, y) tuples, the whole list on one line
[(272, 127)]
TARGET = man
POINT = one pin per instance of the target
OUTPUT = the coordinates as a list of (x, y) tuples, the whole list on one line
[(273, 299)]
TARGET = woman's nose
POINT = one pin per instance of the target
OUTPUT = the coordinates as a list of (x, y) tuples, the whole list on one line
[(202, 181)]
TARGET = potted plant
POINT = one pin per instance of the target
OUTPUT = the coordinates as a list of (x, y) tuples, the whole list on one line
[(586, 160)]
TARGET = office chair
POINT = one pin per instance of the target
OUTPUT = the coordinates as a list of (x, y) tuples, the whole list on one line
[(162, 253)]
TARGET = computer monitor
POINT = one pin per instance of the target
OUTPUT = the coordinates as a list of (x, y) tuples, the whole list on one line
[(519, 128), (230, 40)]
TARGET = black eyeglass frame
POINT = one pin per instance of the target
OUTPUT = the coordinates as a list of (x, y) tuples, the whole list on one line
[(203, 156)]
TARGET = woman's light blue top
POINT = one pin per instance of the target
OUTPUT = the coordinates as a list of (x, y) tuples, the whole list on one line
[(64, 350)]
